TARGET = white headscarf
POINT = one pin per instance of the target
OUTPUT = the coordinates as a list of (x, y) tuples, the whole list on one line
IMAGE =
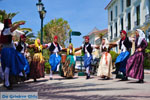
[(105, 45), (141, 36)]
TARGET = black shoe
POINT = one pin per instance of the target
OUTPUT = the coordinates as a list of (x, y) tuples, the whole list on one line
[(140, 81), (50, 78), (87, 77), (107, 78), (35, 80), (8, 87), (124, 79)]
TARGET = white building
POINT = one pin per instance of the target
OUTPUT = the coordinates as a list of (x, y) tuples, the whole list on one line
[(128, 15), (94, 37)]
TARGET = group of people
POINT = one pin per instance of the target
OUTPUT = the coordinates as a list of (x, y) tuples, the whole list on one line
[(130, 66), (14, 61)]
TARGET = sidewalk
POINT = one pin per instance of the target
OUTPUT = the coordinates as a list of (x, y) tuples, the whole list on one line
[(146, 71)]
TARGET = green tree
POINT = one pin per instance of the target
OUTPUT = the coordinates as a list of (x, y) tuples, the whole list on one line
[(59, 27)]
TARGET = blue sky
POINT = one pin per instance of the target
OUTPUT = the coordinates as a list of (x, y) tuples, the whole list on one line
[(82, 15)]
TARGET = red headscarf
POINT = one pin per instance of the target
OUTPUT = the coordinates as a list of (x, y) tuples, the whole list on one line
[(7, 21), (87, 37), (125, 33), (22, 36), (55, 37)]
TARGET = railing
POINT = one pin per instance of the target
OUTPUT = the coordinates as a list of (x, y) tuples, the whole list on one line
[(135, 23)]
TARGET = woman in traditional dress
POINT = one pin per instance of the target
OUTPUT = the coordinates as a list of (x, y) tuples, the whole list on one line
[(69, 65), (105, 65), (12, 61), (134, 67), (37, 63)]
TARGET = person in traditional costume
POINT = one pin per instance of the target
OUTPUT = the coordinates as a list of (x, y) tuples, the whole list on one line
[(69, 65), (105, 65), (125, 46), (87, 49), (22, 46), (54, 58), (12, 61), (37, 63), (1, 70), (134, 67)]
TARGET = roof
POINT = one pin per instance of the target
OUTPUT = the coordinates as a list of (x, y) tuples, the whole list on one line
[(109, 4), (101, 31), (94, 30)]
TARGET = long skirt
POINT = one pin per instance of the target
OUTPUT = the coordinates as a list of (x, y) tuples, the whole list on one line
[(134, 67), (105, 65), (122, 59), (12, 59), (87, 60), (54, 60), (68, 67), (37, 66)]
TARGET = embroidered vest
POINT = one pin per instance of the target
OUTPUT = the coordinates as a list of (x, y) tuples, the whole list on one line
[(89, 48), (127, 43), (5, 39), (52, 47)]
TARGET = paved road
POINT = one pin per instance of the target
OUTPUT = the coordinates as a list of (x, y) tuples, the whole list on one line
[(81, 89)]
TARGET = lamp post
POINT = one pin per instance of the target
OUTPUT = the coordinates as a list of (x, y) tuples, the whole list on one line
[(42, 12)]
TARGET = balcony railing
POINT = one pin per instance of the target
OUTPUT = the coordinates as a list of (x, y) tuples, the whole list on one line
[(135, 23), (147, 18)]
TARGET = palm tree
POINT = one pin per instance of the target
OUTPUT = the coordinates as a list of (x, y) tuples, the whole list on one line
[(100, 35), (4, 15)]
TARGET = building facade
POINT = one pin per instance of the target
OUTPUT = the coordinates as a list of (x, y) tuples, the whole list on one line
[(128, 15)]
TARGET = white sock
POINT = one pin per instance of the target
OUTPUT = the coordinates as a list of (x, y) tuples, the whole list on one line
[(87, 71), (20, 74), (6, 73), (51, 73)]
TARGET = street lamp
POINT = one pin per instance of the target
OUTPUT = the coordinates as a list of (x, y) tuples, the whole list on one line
[(42, 12)]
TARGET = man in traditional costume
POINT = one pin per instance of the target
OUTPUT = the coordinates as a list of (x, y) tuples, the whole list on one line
[(54, 58), (124, 45), (87, 49), (22, 46)]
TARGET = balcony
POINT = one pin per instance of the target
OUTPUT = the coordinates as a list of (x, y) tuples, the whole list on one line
[(147, 18)]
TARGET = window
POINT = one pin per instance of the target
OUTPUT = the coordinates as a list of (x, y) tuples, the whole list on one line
[(129, 21), (116, 9), (111, 14), (149, 6), (122, 5), (128, 2), (138, 15), (122, 24), (116, 29), (111, 32)]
